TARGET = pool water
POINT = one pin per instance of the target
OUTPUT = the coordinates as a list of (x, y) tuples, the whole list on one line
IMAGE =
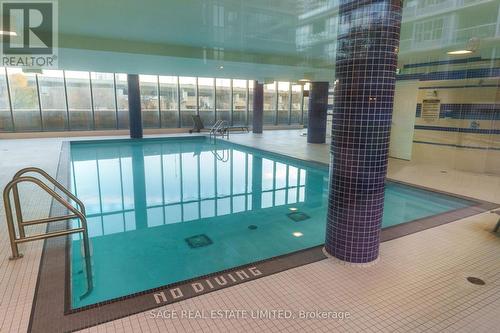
[(167, 210)]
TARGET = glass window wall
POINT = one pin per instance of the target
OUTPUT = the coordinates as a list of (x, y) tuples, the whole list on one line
[(56, 100), (6, 124), (283, 102), (81, 114), (206, 100), (270, 103), (53, 100), (296, 107), (149, 101), (24, 99), (103, 97), (240, 102), (122, 100), (169, 106), (188, 99), (223, 100)]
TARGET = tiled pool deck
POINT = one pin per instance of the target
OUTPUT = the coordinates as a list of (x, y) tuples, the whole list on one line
[(418, 284)]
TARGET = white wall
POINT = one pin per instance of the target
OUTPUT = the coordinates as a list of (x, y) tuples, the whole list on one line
[(403, 119)]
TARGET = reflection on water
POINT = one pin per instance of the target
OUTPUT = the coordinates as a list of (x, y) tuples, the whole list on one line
[(149, 201), (139, 186)]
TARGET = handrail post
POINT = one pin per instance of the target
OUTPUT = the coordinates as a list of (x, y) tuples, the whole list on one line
[(86, 253), (10, 225), (80, 213), (19, 214)]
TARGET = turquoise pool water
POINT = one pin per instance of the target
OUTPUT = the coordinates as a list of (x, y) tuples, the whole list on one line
[(163, 211)]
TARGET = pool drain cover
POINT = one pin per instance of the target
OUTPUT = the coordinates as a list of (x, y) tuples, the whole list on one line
[(252, 227), (198, 241), (475, 280), (298, 216)]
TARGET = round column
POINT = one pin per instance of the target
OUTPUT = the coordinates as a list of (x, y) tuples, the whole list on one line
[(318, 107), (258, 107), (367, 46)]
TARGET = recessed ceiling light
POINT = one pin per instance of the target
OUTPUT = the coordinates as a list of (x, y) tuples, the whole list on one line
[(298, 234), (221, 67), (304, 80), (293, 209), (459, 52), (8, 33)]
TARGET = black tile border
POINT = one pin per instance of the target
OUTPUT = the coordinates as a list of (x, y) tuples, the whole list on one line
[(51, 304)]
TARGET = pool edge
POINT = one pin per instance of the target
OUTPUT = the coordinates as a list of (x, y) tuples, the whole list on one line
[(45, 317)]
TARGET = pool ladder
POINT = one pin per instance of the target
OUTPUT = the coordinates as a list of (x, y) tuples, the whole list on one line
[(12, 186), (220, 128)]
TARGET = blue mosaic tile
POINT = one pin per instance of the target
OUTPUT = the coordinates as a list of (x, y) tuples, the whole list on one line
[(466, 111), (452, 75), (459, 129), (445, 62), (366, 64)]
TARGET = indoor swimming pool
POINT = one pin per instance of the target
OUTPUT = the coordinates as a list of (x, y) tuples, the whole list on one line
[(166, 210)]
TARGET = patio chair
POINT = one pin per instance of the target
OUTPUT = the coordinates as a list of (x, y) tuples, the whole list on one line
[(199, 127)]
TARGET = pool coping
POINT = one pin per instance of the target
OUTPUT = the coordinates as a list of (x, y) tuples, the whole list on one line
[(51, 303)]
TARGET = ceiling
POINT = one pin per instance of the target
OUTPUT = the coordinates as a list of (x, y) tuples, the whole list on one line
[(266, 40)]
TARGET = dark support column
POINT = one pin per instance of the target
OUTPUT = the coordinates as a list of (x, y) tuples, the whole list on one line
[(134, 106), (318, 106), (258, 107), (366, 72), (256, 182)]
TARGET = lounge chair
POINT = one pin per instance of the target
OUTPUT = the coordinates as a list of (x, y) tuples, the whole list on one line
[(199, 127)]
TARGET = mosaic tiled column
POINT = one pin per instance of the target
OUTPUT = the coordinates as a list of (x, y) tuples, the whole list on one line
[(367, 46), (134, 106), (258, 107), (318, 107)]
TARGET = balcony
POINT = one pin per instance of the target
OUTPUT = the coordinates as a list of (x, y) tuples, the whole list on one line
[(413, 12)]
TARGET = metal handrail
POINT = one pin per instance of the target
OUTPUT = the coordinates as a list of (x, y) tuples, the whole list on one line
[(220, 127), (51, 180), (215, 127), (77, 213)]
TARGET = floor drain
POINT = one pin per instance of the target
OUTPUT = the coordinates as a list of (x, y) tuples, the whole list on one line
[(252, 227), (475, 280)]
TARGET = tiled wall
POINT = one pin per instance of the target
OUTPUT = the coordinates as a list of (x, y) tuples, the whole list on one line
[(469, 110), (469, 115), (465, 133)]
